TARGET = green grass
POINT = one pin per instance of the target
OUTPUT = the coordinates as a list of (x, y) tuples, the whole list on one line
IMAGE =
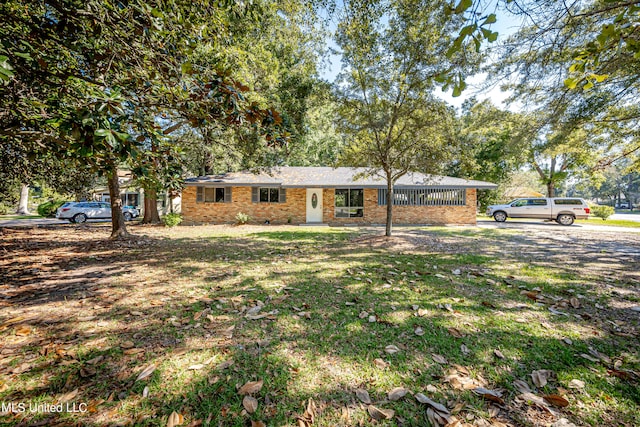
[(181, 290), (13, 217)]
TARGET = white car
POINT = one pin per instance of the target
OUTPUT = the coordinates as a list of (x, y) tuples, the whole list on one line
[(80, 212), (563, 210)]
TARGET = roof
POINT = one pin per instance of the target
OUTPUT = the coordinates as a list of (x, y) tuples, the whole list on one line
[(328, 177)]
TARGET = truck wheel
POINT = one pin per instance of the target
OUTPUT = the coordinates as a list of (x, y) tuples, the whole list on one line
[(565, 219), (127, 216), (500, 216)]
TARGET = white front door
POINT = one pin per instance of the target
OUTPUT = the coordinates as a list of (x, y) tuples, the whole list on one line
[(314, 204)]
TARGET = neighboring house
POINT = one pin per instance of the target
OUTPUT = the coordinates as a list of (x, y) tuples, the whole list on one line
[(313, 195), (132, 195)]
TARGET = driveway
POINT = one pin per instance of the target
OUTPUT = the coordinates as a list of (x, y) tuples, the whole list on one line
[(37, 222)]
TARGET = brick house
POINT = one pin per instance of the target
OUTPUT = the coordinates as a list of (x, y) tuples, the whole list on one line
[(316, 195)]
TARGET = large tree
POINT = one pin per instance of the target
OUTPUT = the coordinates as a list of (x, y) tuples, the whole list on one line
[(393, 52)]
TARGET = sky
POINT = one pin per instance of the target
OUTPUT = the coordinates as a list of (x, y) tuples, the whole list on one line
[(505, 26)]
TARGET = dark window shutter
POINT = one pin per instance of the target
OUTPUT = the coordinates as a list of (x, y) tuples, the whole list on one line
[(255, 194), (227, 194), (283, 195), (200, 194)]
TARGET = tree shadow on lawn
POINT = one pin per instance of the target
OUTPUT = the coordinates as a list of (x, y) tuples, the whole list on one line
[(325, 356)]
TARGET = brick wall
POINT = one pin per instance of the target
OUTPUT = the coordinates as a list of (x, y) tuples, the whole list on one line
[(225, 213), (295, 208)]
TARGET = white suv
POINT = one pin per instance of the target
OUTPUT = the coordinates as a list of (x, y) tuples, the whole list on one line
[(81, 211), (563, 210)]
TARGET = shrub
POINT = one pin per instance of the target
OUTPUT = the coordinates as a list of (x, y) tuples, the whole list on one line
[(172, 219), (6, 209), (48, 209), (242, 218), (603, 212)]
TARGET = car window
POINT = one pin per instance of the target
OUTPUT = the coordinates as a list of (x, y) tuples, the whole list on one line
[(82, 205), (105, 205), (537, 202), (519, 203), (567, 202)]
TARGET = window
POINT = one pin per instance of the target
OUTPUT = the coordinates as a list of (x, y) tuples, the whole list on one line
[(213, 194), (568, 202), (349, 203), (268, 195), (537, 202), (424, 197)]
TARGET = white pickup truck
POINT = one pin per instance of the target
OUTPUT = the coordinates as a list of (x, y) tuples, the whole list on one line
[(563, 210)]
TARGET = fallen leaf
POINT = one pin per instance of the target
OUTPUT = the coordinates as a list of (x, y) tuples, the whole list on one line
[(556, 400), (439, 359), (132, 351), (531, 398), (437, 406), (67, 396), (146, 372), (464, 349), (175, 419), (363, 395), (620, 374), (575, 303), (250, 404), (380, 414), (522, 386), (541, 377), (492, 395), (145, 392), (590, 358), (530, 295), (224, 365), (251, 387), (422, 312), (23, 331), (455, 332), (391, 349), (380, 363), (95, 360), (397, 393), (127, 345), (576, 384), (257, 424), (567, 341), (418, 331), (488, 304), (498, 354), (195, 367)]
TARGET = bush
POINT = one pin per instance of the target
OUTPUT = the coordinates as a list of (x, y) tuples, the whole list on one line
[(6, 209), (603, 212), (48, 209), (242, 218), (172, 219)]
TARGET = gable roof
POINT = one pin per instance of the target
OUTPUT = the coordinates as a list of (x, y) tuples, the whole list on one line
[(328, 177)]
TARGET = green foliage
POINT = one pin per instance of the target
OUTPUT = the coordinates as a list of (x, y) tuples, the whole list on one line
[(602, 211), (172, 219), (242, 218), (48, 208)]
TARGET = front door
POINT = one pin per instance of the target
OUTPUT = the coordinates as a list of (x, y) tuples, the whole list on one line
[(314, 204)]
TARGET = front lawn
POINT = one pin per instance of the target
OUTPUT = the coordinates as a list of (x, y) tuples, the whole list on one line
[(285, 326)]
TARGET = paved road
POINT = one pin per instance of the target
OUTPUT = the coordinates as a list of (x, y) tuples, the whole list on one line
[(549, 226), (37, 222), (626, 217)]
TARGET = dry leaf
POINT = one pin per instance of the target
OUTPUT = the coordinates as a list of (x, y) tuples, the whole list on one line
[(455, 332), (498, 354), (146, 372), (530, 295), (492, 395), (257, 424), (531, 398), (68, 396), (224, 365), (363, 395), (522, 386), (556, 400), (251, 387), (435, 405), (195, 367), (397, 393), (380, 363), (380, 414), (127, 345), (133, 351), (95, 360), (391, 349), (145, 392), (576, 384), (575, 303), (540, 377), (422, 312), (464, 349), (23, 331), (590, 358), (419, 331), (175, 419), (250, 404), (439, 359)]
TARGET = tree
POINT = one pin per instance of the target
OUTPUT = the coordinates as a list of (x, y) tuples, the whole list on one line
[(88, 75), (392, 53)]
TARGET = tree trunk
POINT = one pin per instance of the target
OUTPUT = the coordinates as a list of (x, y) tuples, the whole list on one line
[(23, 205), (389, 206), (118, 227), (150, 207), (551, 190)]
